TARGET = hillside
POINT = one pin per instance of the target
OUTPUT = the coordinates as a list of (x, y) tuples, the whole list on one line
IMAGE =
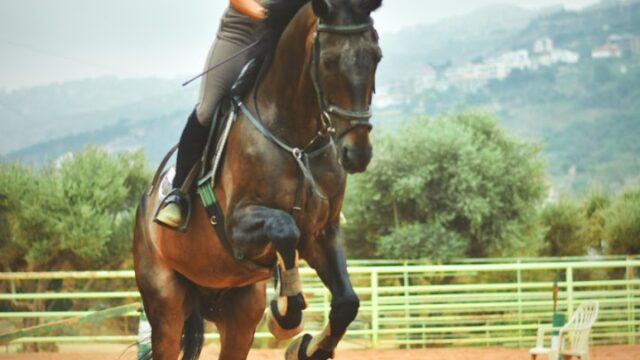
[(579, 31), (42, 114), (587, 115), (453, 40)]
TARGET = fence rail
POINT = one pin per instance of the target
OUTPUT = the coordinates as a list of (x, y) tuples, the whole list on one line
[(402, 304)]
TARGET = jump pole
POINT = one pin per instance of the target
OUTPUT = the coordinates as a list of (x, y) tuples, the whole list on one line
[(6, 338)]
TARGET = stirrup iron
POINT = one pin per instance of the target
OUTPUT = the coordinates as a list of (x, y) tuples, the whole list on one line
[(186, 198)]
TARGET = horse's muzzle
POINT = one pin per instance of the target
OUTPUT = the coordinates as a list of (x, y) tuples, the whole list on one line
[(355, 159)]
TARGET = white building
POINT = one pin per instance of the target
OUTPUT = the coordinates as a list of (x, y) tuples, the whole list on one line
[(628, 43), (386, 97), (426, 80), (514, 60), (564, 56), (545, 54), (607, 51), (543, 45), (472, 76)]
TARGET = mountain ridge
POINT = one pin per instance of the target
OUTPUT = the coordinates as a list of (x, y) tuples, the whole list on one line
[(151, 112)]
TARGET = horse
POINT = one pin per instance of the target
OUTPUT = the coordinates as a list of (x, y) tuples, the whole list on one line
[(298, 133)]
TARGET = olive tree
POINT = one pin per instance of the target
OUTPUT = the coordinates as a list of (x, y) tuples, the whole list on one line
[(446, 187)]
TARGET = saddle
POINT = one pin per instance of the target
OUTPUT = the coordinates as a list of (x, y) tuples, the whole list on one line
[(205, 172)]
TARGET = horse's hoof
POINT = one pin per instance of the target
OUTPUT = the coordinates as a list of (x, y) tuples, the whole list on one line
[(297, 350), (277, 330)]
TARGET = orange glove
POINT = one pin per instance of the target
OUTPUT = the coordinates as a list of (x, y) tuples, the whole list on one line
[(251, 8)]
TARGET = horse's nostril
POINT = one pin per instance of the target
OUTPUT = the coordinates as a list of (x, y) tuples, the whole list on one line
[(345, 153)]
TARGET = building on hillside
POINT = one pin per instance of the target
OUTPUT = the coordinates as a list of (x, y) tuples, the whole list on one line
[(628, 43), (542, 46), (426, 80), (388, 96), (513, 60), (607, 51), (564, 56), (546, 54), (473, 76)]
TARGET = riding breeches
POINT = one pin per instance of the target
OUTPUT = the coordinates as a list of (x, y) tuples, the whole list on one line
[(235, 33)]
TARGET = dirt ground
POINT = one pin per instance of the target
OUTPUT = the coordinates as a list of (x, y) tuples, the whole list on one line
[(121, 352)]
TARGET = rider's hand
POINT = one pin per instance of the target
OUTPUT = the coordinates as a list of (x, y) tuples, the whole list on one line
[(251, 8)]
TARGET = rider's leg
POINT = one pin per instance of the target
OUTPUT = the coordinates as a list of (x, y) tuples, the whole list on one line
[(215, 85), (190, 147)]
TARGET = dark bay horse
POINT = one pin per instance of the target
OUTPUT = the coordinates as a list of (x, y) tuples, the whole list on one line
[(281, 186)]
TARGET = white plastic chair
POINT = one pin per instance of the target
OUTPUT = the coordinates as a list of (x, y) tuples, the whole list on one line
[(573, 337)]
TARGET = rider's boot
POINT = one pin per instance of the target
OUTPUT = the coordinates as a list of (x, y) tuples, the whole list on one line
[(190, 148)]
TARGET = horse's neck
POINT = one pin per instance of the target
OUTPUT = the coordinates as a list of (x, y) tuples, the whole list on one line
[(287, 89)]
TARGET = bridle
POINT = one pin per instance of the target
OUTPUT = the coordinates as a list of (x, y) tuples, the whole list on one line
[(356, 118)]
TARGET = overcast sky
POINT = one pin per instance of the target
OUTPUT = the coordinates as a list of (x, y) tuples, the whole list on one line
[(44, 41)]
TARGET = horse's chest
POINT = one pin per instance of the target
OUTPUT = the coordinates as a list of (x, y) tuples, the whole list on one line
[(316, 207), (312, 214)]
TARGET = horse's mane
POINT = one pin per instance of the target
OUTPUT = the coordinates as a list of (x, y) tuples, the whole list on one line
[(280, 13)]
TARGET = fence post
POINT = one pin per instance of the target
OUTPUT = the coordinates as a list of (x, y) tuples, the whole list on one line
[(375, 324), (631, 316), (406, 305), (519, 275), (569, 292)]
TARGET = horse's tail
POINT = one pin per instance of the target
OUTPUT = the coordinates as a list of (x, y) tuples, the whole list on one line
[(193, 335)]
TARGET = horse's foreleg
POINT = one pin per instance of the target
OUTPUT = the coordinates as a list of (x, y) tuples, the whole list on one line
[(239, 314), (255, 223), (327, 257), (164, 294), (166, 305)]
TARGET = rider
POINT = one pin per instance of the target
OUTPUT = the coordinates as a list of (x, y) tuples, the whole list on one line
[(237, 31)]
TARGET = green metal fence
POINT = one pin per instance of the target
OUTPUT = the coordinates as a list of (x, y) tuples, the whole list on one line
[(478, 303)]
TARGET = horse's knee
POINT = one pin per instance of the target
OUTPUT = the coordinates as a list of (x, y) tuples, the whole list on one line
[(283, 232), (343, 311)]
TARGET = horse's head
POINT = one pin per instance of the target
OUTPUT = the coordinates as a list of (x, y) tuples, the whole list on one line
[(344, 59)]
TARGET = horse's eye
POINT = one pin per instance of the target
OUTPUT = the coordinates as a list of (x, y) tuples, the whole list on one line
[(329, 61)]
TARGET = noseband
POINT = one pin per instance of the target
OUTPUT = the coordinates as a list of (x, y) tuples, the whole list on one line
[(356, 118)]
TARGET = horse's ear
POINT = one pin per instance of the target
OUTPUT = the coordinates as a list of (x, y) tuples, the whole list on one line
[(371, 5), (321, 8)]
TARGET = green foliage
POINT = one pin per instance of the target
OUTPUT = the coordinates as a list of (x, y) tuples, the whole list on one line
[(623, 224), (417, 241), (458, 178), (565, 223), (594, 224), (595, 207), (77, 213), (16, 183)]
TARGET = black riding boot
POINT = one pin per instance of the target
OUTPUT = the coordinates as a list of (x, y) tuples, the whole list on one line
[(190, 148)]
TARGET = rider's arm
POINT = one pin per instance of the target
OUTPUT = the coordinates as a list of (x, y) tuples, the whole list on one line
[(251, 8)]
